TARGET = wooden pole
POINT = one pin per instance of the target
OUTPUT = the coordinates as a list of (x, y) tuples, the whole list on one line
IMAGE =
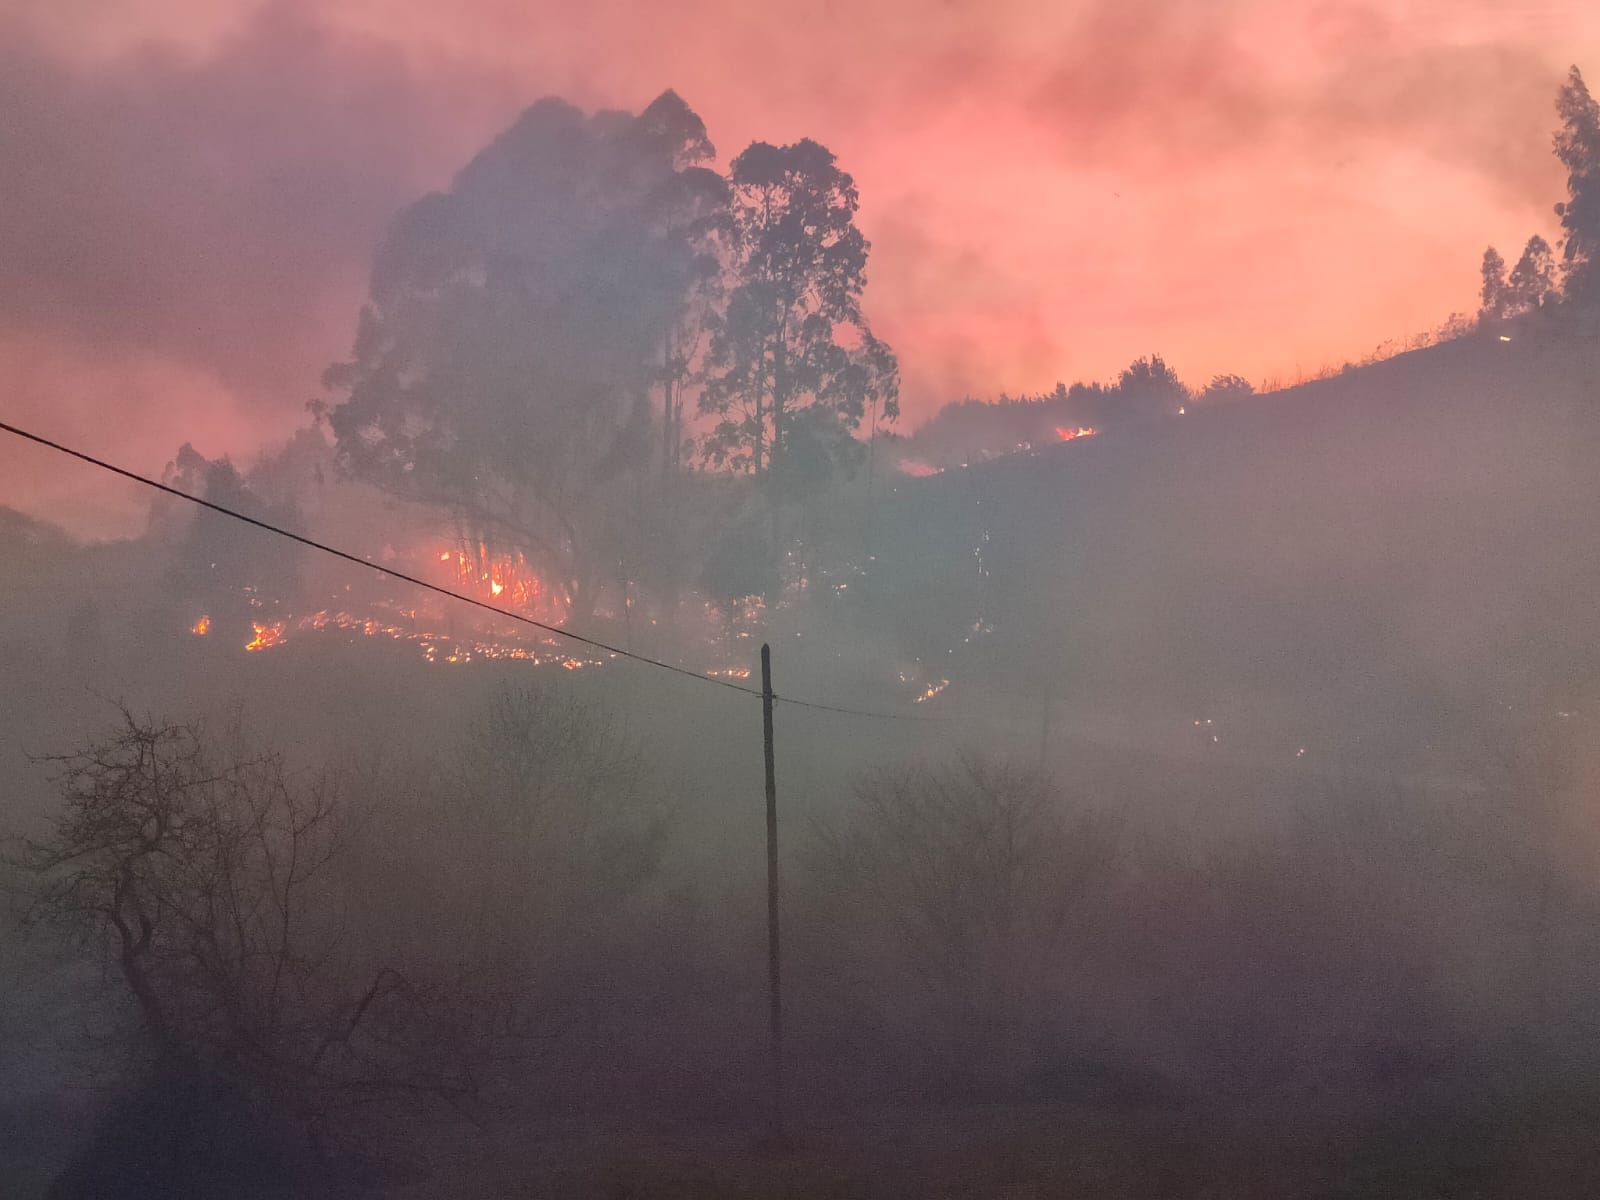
[(774, 975)]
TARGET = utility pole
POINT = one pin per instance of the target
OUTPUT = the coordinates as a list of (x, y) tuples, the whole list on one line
[(775, 993)]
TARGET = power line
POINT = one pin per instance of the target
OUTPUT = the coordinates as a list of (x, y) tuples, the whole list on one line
[(582, 639)]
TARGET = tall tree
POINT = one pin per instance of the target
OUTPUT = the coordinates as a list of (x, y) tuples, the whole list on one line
[(1492, 295), (795, 366), (518, 324), (226, 572), (1532, 284), (1577, 145), (1148, 388), (694, 224)]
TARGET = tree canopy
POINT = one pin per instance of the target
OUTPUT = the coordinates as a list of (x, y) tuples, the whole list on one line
[(1532, 283), (1577, 145), (1223, 388), (1148, 388), (1530, 286), (795, 365), (519, 321), (1492, 292)]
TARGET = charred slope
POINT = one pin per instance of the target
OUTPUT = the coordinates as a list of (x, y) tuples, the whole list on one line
[(1406, 540)]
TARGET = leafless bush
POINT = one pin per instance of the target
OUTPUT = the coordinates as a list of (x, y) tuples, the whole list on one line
[(550, 804), (963, 881), (205, 875), (522, 862)]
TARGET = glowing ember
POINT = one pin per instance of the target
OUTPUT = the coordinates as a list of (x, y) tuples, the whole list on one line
[(266, 636), (201, 627), (1067, 433), (932, 690)]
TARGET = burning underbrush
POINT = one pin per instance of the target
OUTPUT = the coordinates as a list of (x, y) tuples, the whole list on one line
[(441, 629), (714, 638), (711, 637)]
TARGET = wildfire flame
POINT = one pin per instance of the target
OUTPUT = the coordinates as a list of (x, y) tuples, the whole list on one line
[(266, 636), (502, 576), (1067, 433), (442, 635)]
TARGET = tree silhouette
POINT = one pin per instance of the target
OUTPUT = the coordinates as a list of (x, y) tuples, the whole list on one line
[(1492, 295), (1577, 145), (1148, 388), (795, 366), (230, 574), (1224, 388), (689, 216), (1532, 284), (518, 324)]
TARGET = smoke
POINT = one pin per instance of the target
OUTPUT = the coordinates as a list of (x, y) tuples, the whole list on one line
[(184, 235), (214, 209), (197, 195), (1314, 671)]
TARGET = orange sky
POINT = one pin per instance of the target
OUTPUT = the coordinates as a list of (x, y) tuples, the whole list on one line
[(194, 186)]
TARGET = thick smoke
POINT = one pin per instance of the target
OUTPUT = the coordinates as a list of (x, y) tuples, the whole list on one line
[(202, 209), (1181, 789)]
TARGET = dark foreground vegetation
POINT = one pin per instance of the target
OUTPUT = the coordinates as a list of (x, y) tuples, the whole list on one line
[(527, 962)]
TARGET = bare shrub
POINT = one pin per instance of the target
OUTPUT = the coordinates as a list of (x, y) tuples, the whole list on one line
[(205, 876), (959, 884), (521, 867), (548, 803)]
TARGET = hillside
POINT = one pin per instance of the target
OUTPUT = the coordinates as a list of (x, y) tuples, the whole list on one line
[(1387, 553)]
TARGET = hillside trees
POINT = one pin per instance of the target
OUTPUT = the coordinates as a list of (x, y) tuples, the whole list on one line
[(1577, 145), (795, 364), (519, 324), (1530, 286), (1532, 282), (691, 219), (1149, 389), (1492, 293), (229, 574), (1224, 388)]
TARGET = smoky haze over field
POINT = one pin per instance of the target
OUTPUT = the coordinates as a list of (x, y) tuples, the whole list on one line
[(1184, 777)]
